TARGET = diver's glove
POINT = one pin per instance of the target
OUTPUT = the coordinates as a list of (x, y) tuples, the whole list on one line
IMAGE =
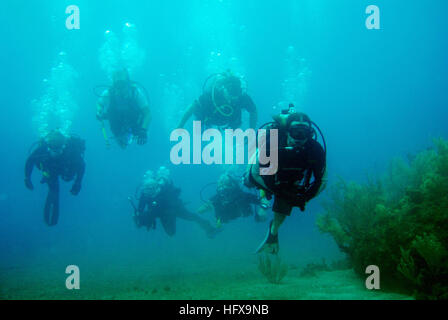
[(142, 136), (75, 188), (29, 184)]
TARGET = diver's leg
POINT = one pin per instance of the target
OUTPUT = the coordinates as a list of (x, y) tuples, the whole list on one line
[(277, 222), (281, 210), (47, 208), (168, 221), (205, 225), (51, 210)]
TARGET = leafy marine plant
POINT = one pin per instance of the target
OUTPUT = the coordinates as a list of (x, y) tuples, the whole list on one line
[(272, 268), (398, 222)]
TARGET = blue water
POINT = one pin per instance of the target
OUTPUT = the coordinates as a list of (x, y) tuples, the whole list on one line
[(375, 94)]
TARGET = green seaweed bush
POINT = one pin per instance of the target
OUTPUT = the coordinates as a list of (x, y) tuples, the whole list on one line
[(398, 222)]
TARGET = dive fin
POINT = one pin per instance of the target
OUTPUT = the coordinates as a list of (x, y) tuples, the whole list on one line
[(268, 240)]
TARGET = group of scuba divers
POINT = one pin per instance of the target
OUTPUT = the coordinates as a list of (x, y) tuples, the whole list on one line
[(299, 178)]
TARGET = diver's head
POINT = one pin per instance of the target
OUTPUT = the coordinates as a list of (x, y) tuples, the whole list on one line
[(150, 185), (300, 129), (148, 175), (226, 183), (120, 79), (230, 86), (56, 143), (163, 175), (233, 86)]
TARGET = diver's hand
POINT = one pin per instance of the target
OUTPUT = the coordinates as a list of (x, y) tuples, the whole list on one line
[(142, 136), (75, 189), (29, 184)]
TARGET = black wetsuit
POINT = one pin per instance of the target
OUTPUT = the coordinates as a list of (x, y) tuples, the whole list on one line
[(124, 112), (206, 111), (299, 176), (234, 204), (167, 206), (68, 165)]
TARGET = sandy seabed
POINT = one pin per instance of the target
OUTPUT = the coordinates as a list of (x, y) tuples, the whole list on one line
[(218, 284)]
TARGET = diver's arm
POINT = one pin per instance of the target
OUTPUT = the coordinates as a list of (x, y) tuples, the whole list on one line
[(142, 202), (252, 109), (80, 172), (318, 173), (312, 191), (187, 115), (29, 165), (79, 175), (99, 111), (146, 117), (253, 118), (206, 207), (100, 106)]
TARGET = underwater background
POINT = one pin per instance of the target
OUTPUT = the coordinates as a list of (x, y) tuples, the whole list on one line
[(375, 94)]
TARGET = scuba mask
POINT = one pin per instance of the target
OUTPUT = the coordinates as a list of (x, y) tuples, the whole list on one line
[(56, 143), (56, 152), (231, 88), (226, 184), (300, 131), (151, 189), (121, 81)]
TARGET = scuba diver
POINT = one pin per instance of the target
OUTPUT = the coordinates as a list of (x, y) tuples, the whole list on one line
[(301, 170), (56, 155), (126, 106), (221, 103), (231, 202), (159, 198)]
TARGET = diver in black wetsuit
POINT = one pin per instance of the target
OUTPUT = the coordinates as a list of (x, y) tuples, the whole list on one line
[(300, 174), (231, 202), (56, 155), (159, 198), (221, 103), (126, 107)]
